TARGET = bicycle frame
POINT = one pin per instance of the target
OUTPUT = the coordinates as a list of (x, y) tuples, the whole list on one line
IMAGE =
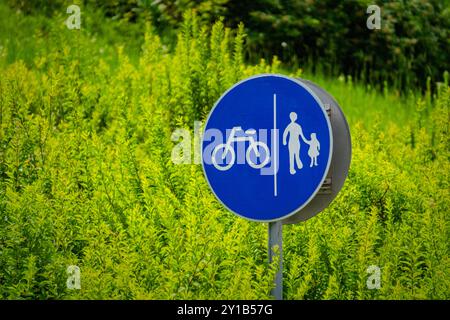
[(232, 138)]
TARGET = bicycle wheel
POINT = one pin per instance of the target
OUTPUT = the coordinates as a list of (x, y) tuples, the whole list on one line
[(266, 155), (225, 166)]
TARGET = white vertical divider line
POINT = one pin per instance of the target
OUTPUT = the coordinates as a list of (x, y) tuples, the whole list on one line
[(275, 147)]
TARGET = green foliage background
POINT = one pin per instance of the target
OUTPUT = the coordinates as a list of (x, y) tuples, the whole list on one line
[(86, 176), (327, 36)]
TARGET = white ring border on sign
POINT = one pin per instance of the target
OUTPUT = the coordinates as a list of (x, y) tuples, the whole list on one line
[(263, 75)]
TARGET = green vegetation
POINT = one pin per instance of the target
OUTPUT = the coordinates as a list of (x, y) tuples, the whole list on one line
[(86, 176), (328, 36)]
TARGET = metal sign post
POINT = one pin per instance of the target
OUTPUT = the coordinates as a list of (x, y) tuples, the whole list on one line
[(276, 241)]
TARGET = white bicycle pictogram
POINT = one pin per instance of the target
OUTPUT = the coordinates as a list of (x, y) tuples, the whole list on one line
[(228, 148)]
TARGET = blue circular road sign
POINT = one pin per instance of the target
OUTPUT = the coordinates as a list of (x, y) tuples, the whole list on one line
[(267, 147)]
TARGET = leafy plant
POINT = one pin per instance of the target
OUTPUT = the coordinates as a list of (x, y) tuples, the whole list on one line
[(86, 177)]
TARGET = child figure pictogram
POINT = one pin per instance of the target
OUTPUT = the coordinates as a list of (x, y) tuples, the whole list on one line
[(314, 148)]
